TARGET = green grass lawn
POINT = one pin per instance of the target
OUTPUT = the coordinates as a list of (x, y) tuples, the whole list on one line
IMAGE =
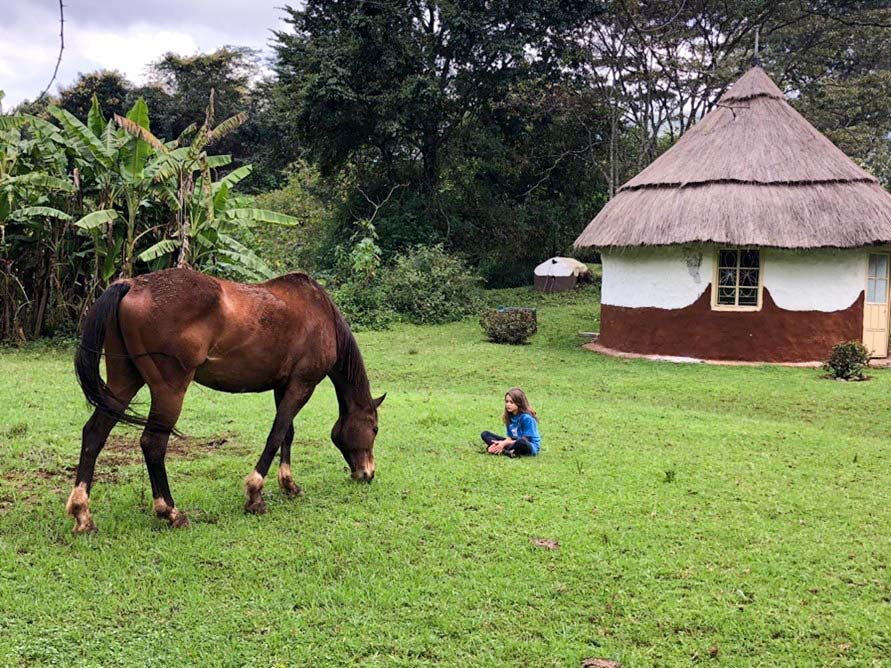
[(725, 516)]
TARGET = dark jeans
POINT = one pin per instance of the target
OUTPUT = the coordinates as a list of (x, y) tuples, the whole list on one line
[(520, 447)]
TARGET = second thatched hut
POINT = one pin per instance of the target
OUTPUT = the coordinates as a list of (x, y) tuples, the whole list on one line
[(752, 238)]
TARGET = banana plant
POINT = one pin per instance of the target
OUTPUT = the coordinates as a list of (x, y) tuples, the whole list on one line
[(207, 213), (213, 236), (115, 163), (34, 193)]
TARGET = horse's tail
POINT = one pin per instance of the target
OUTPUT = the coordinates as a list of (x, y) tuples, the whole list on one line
[(89, 353)]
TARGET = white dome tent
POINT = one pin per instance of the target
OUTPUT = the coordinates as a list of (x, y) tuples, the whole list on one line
[(558, 274)]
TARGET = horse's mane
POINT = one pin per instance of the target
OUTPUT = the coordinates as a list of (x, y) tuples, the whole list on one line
[(349, 359)]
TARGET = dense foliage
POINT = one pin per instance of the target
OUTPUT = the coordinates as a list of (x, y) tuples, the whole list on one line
[(82, 202), (496, 130), (426, 285)]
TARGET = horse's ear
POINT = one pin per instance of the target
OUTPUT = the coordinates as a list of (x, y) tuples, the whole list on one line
[(380, 400)]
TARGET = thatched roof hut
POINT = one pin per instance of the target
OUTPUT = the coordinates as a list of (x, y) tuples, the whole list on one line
[(751, 176)]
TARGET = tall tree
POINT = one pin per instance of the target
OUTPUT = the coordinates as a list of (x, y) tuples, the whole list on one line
[(109, 86), (397, 79), (662, 65), (185, 83), (422, 94)]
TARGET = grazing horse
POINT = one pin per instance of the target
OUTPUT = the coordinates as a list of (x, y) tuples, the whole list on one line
[(171, 327)]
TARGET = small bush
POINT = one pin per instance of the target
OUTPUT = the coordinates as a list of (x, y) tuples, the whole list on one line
[(426, 285), (847, 361), (509, 325)]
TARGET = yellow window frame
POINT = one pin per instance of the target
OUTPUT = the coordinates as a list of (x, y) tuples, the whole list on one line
[(716, 273)]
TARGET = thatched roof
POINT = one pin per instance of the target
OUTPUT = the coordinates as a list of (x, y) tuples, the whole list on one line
[(754, 172)]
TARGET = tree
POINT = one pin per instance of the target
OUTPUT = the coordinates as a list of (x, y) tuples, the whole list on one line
[(411, 92), (183, 85), (399, 78), (662, 65), (109, 86)]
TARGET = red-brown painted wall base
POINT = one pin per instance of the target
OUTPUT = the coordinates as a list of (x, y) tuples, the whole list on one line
[(769, 335)]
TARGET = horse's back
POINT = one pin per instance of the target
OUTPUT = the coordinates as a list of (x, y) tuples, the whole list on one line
[(236, 337)]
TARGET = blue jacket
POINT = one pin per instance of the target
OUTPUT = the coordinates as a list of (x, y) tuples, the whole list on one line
[(524, 424)]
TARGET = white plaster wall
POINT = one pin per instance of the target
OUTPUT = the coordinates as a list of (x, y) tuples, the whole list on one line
[(672, 277), (814, 280)]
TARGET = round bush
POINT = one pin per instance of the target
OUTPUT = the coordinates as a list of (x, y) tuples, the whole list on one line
[(363, 304), (847, 361), (509, 325)]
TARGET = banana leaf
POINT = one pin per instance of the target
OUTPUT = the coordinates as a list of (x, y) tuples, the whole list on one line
[(39, 212), (97, 219), (163, 247), (250, 217)]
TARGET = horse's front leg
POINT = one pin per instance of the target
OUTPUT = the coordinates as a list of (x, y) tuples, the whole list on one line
[(291, 400)]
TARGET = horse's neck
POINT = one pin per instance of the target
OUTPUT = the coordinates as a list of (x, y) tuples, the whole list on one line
[(348, 373), (351, 396)]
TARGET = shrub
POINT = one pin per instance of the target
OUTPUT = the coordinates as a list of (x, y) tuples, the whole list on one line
[(363, 304), (426, 285), (509, 325), (847, 361)]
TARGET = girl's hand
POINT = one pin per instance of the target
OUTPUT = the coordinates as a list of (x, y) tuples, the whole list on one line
[(496, 448)]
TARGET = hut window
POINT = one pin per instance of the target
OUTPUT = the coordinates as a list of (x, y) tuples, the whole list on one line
[(738, 279)]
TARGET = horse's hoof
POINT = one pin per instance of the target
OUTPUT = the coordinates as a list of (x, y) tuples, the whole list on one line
[(292, 489), (179, 521), (255, 508), (85, 527)]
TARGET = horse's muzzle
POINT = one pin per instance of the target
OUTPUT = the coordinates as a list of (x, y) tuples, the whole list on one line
[(363, 475)]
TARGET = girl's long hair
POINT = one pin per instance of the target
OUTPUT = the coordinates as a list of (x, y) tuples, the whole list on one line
[(523, 406)]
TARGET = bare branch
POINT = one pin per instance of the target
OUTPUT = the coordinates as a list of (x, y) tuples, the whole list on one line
[(61, 49), (377, 206)]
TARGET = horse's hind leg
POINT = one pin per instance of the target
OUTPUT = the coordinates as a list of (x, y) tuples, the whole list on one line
[(167, 404), (285, 477), (293, 398), (124, 382)]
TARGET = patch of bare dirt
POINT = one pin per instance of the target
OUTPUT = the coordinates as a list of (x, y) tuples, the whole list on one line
[(545, 543), (20, 486), (600, 663), (124, 450)]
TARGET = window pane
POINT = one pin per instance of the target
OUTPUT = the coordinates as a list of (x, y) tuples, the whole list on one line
[(871, 289), (728, 258), (748, 278), (727, 277), (881, 266), (881, 290), (749, 296), (749, 259), (873, 260), (727, 296)]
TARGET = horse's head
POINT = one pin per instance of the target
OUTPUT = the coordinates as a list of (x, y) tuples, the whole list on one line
[(354, 434)]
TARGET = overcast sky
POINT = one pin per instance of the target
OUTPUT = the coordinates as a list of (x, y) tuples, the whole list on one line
[(113, 34)]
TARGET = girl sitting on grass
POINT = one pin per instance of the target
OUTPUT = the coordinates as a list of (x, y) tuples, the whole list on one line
[(522, 428)]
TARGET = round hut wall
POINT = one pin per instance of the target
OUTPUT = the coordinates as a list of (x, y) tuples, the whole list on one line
[(659, 301)]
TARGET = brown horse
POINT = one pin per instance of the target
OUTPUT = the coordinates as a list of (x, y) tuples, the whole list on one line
[(171, 327)]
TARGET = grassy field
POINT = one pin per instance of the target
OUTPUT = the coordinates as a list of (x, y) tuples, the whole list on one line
[(704, 515)]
